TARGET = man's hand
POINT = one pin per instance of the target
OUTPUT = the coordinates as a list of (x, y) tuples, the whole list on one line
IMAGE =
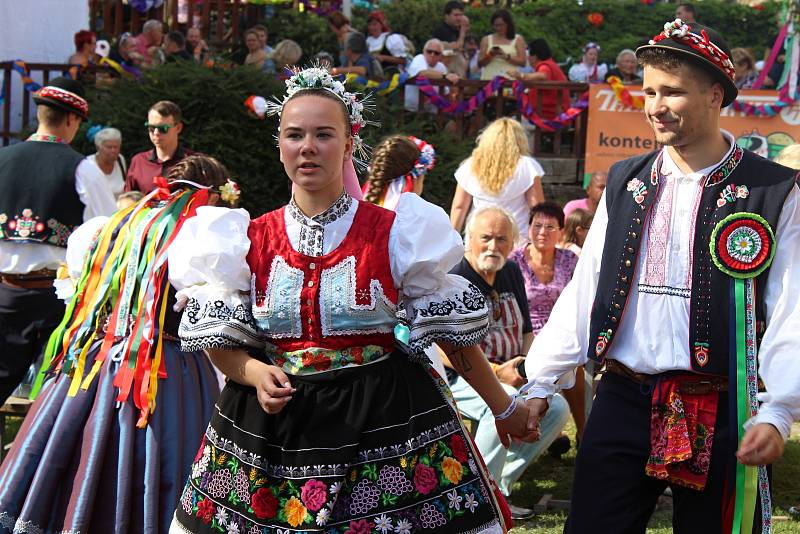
[(536, 410), (452, 77), (516, 426), (762, 444), (464, 24), (507, 373), (274, 391)]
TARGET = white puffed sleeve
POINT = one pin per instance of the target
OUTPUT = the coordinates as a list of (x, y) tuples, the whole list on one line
[(79, 244), (423, 247), (208, 267)]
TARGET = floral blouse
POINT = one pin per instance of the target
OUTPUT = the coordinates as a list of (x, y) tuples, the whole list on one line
[(542, 297)]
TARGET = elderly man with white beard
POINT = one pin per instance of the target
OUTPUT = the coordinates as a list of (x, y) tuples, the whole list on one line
[(490, 236)]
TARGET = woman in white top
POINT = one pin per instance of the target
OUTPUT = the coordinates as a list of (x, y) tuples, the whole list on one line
[(588, 70), (503, 50), (499, 172), (108, 159)]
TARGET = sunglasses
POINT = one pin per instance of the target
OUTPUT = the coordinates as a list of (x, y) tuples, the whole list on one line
[(163, 128), (433, 52)]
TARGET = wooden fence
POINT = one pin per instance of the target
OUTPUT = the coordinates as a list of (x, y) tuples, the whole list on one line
[(568, 142)]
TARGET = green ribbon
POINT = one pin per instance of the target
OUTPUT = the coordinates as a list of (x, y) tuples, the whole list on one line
[(746, 476)]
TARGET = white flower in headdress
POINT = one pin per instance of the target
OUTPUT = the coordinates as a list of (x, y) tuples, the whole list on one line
[(318, 78)]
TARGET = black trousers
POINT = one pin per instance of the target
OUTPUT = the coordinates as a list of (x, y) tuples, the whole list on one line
[(611, 492), (27, 317)]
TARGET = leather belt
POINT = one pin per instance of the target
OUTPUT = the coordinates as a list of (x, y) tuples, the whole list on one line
[(43, 278), (692, 386)]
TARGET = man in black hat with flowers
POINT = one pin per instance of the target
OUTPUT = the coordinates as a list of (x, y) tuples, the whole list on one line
[(686, 292), (44, 194)]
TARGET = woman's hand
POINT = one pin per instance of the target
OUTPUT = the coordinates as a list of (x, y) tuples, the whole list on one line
[(516, 426), (273, 389)]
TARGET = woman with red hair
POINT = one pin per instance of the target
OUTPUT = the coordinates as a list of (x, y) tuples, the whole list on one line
[(85, 43), (390, 49)]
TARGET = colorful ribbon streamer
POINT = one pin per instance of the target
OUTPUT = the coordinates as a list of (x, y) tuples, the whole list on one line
[(463, 106), (20, 67), (382, 88), (527, 107), (121, 299), (624, 95)]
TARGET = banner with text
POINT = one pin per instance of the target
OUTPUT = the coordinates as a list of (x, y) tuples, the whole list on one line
[(615, 133)]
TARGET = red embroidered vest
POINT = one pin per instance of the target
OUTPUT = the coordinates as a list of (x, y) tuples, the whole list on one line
[(345, 298)]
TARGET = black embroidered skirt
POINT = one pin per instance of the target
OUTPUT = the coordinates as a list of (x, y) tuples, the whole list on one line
[(374, 448)]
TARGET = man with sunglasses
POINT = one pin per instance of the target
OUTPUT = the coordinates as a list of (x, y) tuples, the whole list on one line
[(164, 127), (428, 64), (490, 236)]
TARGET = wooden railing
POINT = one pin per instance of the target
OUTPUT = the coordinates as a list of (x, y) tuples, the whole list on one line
[(568, 142), (20, 94)]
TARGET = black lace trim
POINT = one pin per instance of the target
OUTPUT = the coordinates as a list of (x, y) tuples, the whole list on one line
[(312, 229)]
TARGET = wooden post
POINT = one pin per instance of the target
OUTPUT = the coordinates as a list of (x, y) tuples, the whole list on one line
[(135, 21), (108, 21), (235, 22), (173, 14), (6, 103), (220, 20), (118, 17), (206, 14)]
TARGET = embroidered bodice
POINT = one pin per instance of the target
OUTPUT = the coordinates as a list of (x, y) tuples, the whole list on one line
[(323, 292)]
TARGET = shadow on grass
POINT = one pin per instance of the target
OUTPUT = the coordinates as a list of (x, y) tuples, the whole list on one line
[(553, 476)]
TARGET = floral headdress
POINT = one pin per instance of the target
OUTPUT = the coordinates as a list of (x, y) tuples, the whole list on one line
[(426, 160), (316, 77)]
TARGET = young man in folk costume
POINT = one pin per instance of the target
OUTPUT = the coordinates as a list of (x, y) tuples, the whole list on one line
[(47, 189), (687, 291)]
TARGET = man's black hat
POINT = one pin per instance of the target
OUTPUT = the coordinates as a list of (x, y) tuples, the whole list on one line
[(63, 93), (703, 45)]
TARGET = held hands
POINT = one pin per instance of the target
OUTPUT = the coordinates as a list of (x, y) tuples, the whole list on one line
[(762, 444), (536, 410), (273, 389), (517, 426)]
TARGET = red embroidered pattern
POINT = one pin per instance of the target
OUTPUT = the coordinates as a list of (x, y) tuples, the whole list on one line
[(658, 230), (70, 99)]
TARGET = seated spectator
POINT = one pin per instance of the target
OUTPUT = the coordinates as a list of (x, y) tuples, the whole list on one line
[(128, 198), (588, 70), (490, 237), (576, 226), (427, 64), (471, 53), (546, 270), (594, 191), (148, 43), (196, 45), (686, 12), (85, 43), (108, 160), (324, 60), (126, 55), (164, 125), (545, 69), (626, 69), (745, 67), (263, 35), (340, 26), (175, 48), (359, 62), (255, 52), (287, 53), (451, 33), (390, 49), (503, 50), (499, 172)]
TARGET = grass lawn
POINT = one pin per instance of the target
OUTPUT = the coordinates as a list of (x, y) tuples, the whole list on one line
[(549, 475)]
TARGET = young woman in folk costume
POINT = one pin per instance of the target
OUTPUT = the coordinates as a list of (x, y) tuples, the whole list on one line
[(324, 426), (113, 432)]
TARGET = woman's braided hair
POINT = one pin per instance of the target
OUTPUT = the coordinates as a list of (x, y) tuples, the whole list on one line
[(393, 157)]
